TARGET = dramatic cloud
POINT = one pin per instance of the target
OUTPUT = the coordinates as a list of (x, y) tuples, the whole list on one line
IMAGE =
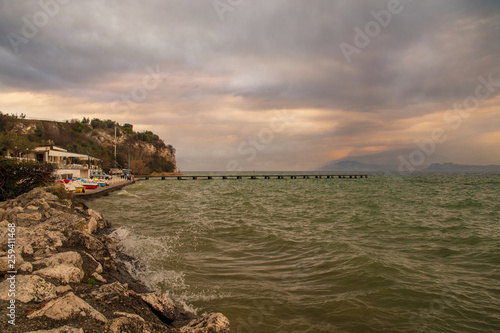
[(263, 85)]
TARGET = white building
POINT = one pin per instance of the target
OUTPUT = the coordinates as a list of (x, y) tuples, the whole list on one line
[(68, 165)]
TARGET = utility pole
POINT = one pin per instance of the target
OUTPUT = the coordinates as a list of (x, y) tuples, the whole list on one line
[(114, 144)]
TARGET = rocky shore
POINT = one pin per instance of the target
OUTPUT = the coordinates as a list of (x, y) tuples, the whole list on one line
[(68, 275)]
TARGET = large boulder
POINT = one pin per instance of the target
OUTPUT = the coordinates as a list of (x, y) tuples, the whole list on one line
[(66, 307), (85, 225), (130, 323), (107, 291), (211, 323), (63, 273), (63, 329), (66, 267), (99, 217), (161, 305), (7, 265), (125, 324), (71, 258), (29, 288)]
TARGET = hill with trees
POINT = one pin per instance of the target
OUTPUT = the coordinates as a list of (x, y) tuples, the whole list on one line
[(148, 152)]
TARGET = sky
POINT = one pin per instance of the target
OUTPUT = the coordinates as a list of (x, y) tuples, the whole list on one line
[(261, 85)]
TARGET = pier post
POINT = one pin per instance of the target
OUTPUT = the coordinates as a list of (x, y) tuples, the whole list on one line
[(179, 178), (163, 178), (224, 177)]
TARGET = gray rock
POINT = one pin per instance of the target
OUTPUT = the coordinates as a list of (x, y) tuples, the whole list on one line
[(63, 273), (26, 267), (108, 290), (99, 277), (131, 323), (38, 237), (70, 258), (66, 307), (129, 315), (66, 267), (161, 304), (63, 329), (87, 226), (30, 216), (29, 288), (211, 323), (5, 264), (99, 217), (63, 289), (125, 324)]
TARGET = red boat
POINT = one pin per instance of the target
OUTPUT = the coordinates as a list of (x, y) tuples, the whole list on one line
[(92, 186)]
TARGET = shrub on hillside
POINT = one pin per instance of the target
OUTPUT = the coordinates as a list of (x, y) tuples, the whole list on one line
[(18, 177)]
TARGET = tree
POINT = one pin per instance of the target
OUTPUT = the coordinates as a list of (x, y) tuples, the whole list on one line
[(171, 149), (17, 144), (18, 177), (129, 128)]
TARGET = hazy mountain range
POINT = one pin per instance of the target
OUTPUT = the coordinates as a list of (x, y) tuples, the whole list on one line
[(393, 160)]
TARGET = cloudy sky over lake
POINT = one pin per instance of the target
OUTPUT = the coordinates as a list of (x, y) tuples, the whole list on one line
[(265, 84)]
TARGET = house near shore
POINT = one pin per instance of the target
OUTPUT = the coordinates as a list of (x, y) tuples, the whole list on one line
[(67, 164)]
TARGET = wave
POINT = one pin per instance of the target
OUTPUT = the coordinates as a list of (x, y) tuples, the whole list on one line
[(125, 193)]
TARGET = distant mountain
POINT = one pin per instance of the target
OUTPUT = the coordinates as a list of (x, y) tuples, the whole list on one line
[(452, 167), (354, 166), (388, 160)]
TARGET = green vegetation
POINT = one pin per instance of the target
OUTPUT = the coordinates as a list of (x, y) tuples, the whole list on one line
[(129, 128), (16, 143), (103, 124), (92, 281), (18, 177)]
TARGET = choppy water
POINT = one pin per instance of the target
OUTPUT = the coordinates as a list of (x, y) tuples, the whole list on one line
[(418, 254)]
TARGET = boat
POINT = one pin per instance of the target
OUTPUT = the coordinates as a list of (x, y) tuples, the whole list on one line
[(100, 182), (88, 184), (79, 188)]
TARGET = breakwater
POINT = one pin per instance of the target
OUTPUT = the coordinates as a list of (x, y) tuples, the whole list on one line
[(62, 271)]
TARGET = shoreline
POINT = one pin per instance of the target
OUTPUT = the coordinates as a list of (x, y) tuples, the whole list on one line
[(69, 274)]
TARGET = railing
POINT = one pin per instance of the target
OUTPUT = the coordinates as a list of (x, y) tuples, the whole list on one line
[(75, 166)]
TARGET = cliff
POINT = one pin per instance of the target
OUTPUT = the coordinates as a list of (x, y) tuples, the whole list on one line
[(96, 137), (66, 273)]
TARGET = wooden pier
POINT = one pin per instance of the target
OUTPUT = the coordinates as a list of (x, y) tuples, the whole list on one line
[(249, 176)]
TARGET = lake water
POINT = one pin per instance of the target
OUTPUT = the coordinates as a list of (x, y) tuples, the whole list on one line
[(383, 254)]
